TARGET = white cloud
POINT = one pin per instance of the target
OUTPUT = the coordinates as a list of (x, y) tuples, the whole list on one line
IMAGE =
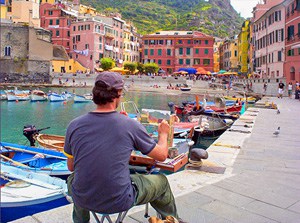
[(245, 7)]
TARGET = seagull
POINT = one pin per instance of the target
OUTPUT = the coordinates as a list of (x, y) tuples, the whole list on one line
[(276, 133), (278, 111)]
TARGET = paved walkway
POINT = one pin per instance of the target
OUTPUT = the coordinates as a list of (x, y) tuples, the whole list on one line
[(250, 175)]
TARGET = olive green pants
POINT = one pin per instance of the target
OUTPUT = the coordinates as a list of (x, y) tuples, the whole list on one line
[(153, 189)]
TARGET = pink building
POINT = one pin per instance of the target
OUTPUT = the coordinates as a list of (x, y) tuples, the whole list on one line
[(172, 50), (292, 41), (56, 19), (268, 39), (91, 39)]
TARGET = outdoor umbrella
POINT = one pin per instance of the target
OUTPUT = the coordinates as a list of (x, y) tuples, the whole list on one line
[(190, 70), (222, 72)]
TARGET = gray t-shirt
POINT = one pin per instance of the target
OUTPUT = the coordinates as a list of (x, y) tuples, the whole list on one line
[(101, 144)]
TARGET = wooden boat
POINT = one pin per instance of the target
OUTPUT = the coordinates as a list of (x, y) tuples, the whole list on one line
[(54, 142), (83, 98), (37, 95), (54, 97), (34, 159), (227, 109), (24, 192), (250, 100)]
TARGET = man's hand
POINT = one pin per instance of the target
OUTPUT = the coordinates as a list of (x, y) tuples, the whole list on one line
[(163, 127)]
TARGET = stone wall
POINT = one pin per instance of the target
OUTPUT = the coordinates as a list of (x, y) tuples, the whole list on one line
[(25, 71)]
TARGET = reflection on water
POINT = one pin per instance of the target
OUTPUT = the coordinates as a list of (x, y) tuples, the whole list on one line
[(57, 115)]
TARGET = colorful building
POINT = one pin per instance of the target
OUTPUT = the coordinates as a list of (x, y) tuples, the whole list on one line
[(57, 19), (217, 45), (25, 11), (131, 45), (229, 54), (243, 47), (268, 39), (292, 41), (172, 50), (4, 9)]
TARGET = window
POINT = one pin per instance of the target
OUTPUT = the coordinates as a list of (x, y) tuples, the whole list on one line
[(160, 42), (205, 51), (74, 28), (159, 62), (196, 61), (50, 22), (290, 33), (7, 51), (206, 61), (146, 52), (68, 43), (169, 52), (180, 41), (146, 42), (187, 61), (159, 52), (57, 21), (291, 52), (188, 51), (235, 53), (279, 56), (189, 41), (168, 62), (180, 51), (196, 51), (206, 42), (68, 33), (57, 32), (180, 61), (151, 52), (50, 12), (86, 46)]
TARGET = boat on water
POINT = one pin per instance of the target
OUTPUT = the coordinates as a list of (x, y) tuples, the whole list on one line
[(39, 160), (24, 192), (53, 142), (54, 97), (185, 88), (37, 95), (3, 95), (83, 98), (17, 95), (250, 100)]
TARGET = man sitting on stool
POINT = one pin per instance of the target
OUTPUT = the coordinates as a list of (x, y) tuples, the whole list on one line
[(98, 146)]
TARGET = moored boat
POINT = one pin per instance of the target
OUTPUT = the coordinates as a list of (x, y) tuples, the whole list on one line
[(37, 95), (17, 96), (24, 192), (54, 97), (83, 98), (34, 159), (185, 88), (54, 142)]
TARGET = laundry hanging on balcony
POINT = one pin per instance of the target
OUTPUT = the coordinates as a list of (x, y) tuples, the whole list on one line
[(82, 52)]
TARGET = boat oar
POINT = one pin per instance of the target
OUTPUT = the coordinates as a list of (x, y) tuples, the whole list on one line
[(197, 102), (32, 152), (13, 161)]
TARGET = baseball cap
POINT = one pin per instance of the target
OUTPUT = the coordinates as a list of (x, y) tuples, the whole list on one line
[(111, 79)]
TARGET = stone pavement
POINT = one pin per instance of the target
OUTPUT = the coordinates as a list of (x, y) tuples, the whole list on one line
[(250, 175)]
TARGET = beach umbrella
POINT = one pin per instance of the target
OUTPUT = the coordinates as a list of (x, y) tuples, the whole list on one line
[(120, 70), (190, 70)]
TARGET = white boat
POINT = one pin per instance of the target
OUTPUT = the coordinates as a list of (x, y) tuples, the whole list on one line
[(83, 98), (3, 95), (185, 88), (18, 96), (37, 95), (25, 193), (54, 97)]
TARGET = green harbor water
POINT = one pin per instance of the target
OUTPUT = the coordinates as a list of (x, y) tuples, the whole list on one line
[(57, 115)]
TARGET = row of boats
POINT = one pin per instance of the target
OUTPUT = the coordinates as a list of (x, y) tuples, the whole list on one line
[(38, 95)]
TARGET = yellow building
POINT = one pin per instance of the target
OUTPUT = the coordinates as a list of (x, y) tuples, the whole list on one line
[(48, 1), (24, 11), (234, 59), (126, 39), (83, 9), (217, 44), (62, 64), (243, 47), (3, 11)]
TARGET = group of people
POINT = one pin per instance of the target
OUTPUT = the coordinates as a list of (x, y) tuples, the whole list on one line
[(290, 89), (98, 146)]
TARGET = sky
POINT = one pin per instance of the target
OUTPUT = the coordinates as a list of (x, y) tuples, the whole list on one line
[(244, 7)]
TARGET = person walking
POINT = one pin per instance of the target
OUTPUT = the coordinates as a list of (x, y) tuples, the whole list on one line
[(265, 86), (290, 89), (280, 89), (297, 90), (98, 146)]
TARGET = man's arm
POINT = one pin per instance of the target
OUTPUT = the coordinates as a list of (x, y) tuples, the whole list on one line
[(160, 151), (70, 163)]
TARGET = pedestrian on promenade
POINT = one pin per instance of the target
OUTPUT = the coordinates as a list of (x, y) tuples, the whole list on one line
[(98, 146), (297, 92), (265, 86), (280, 89), (73, 81), (290, 89)]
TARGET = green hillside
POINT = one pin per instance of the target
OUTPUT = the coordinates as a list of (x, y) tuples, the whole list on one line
[(213, 17)]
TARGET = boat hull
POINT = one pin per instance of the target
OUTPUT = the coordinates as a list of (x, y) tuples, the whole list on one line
[(56, 98)]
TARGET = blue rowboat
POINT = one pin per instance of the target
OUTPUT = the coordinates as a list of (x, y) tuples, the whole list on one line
[(40, 160), (24, 192), (54, 97)]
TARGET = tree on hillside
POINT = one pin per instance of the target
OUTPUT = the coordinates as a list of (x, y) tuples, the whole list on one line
[(130, 66), (151, 68), (107, 63)]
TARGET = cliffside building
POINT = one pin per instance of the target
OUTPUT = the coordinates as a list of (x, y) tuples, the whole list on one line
[(229, 54)]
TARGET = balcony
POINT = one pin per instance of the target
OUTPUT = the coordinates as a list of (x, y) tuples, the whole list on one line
[(109, 35)]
